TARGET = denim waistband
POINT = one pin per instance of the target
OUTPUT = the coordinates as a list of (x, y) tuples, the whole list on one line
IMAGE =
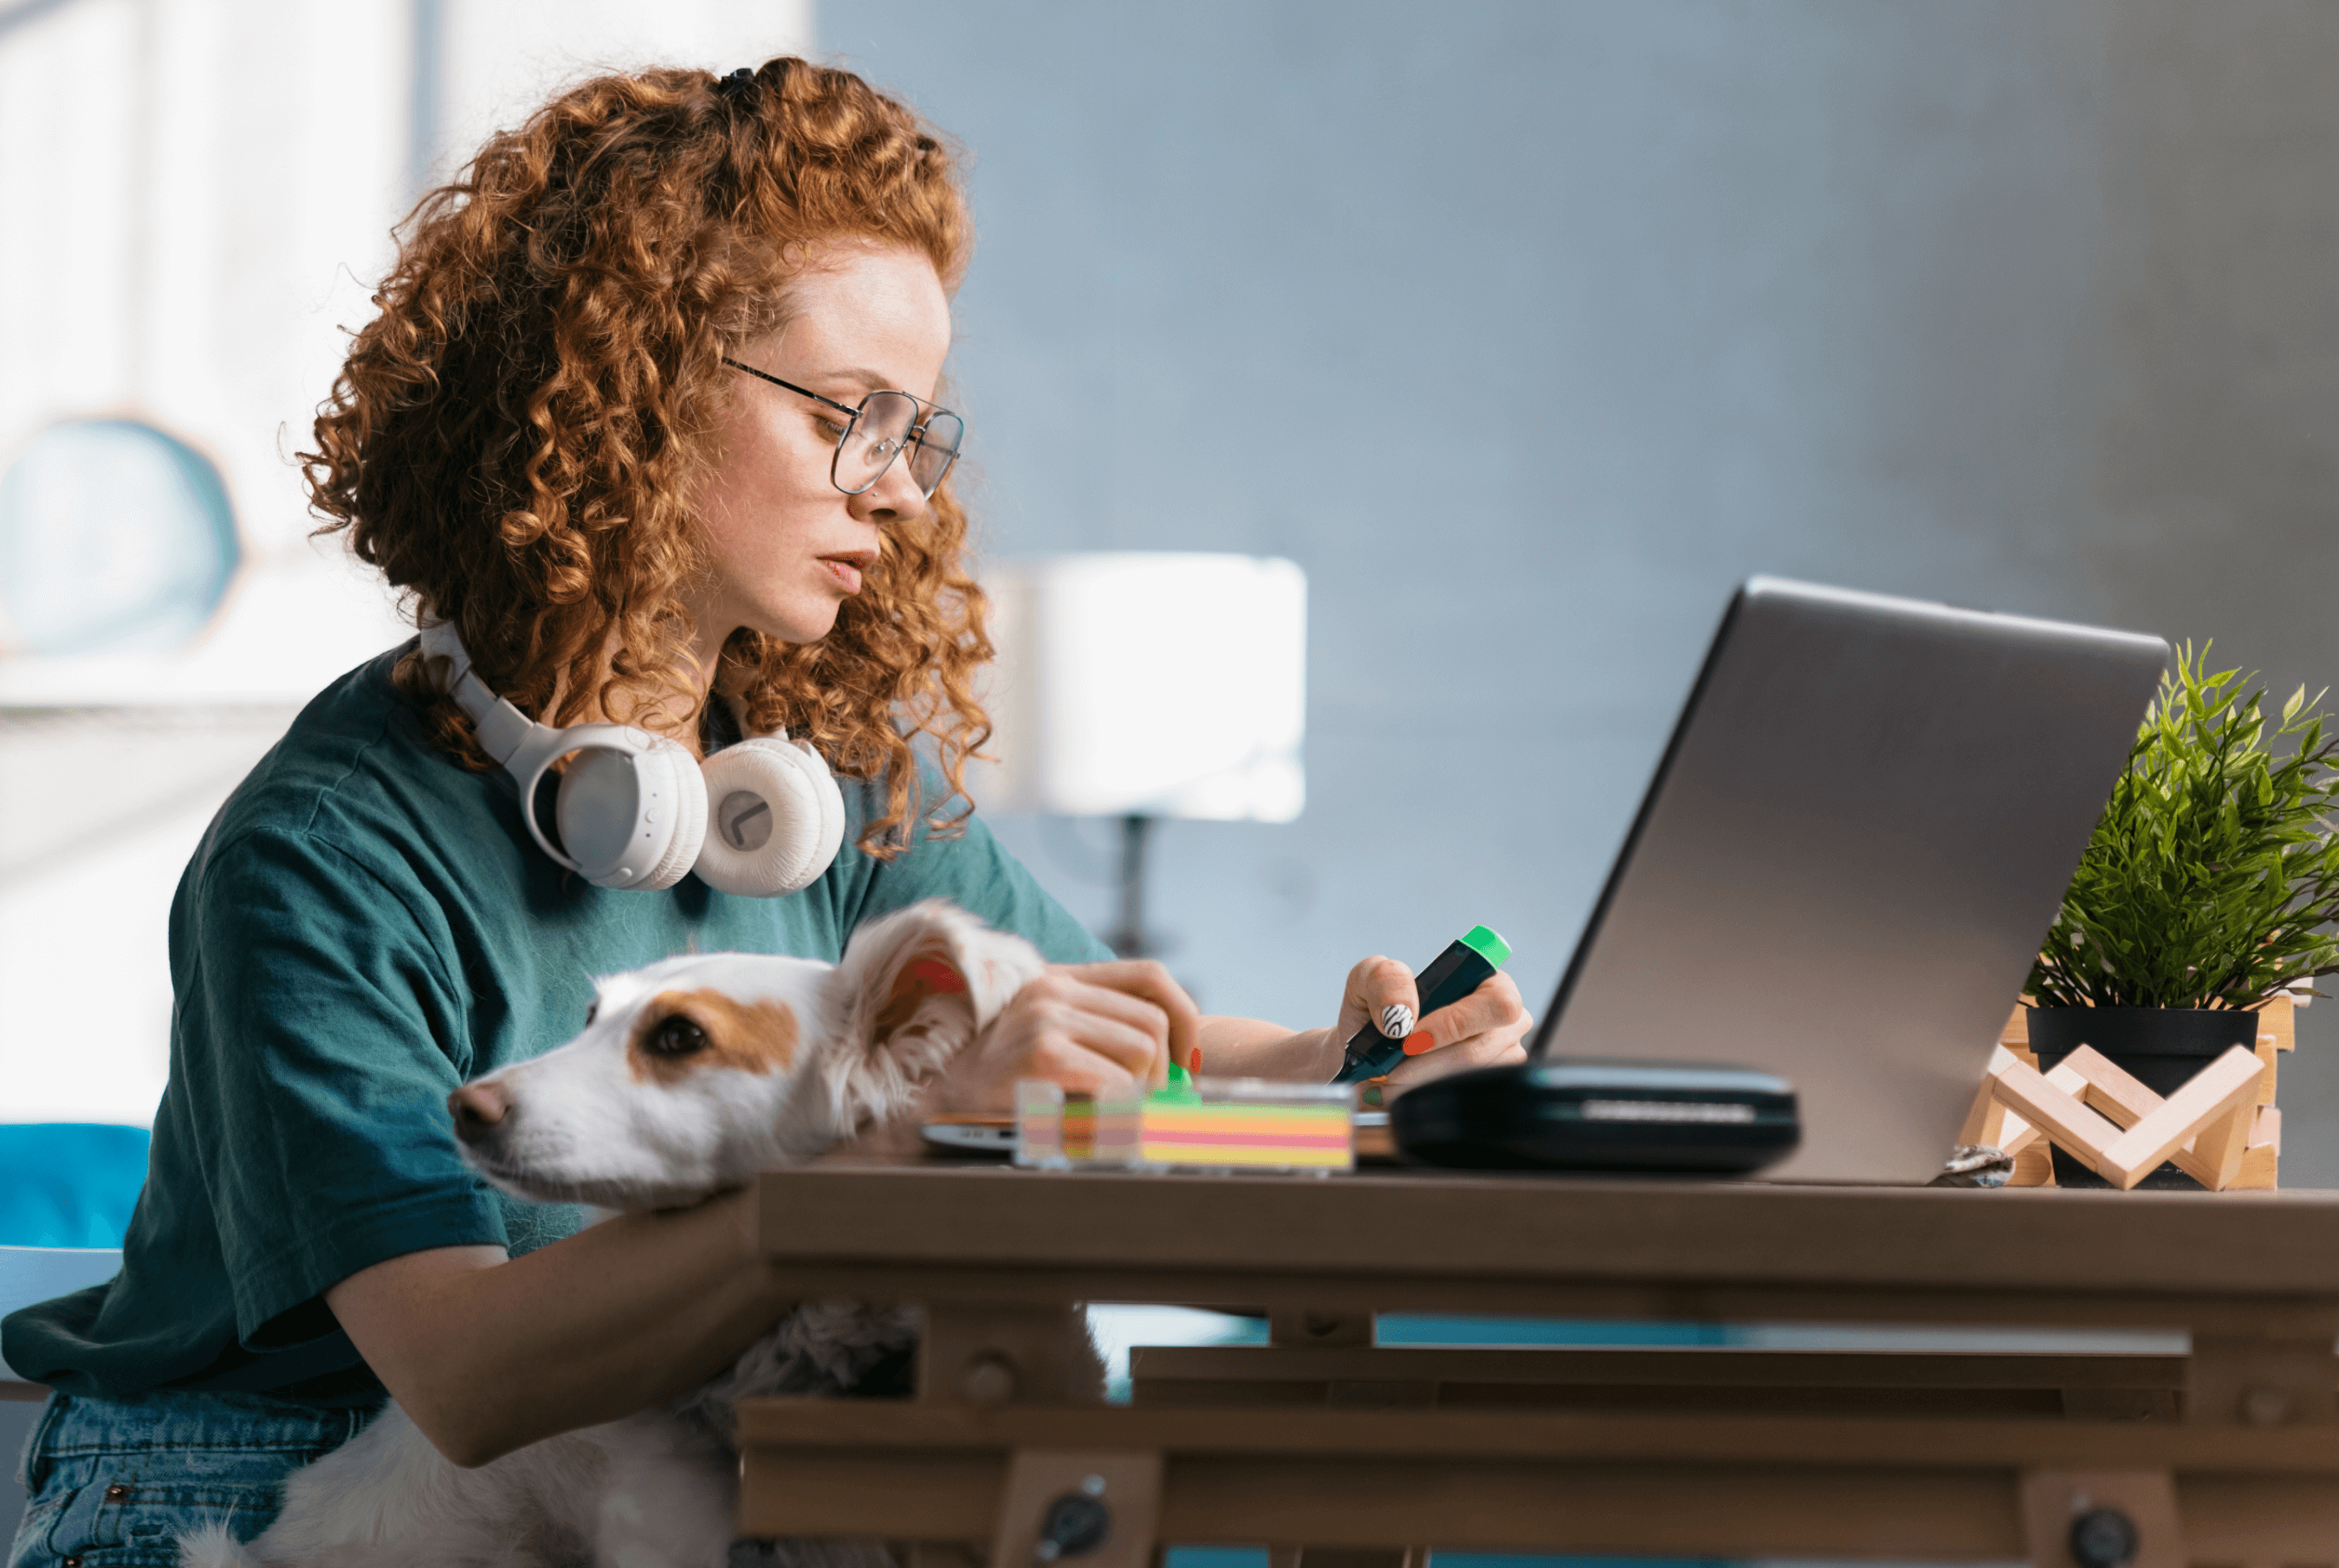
[(115, 1481), (74, 1426)]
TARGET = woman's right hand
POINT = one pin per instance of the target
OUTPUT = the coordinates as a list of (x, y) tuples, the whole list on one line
[(1099, 1029)]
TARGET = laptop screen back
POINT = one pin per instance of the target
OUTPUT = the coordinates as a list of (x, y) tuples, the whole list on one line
[(1857, 838)]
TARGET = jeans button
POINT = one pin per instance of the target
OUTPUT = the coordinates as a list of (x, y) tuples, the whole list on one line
[(116, 1493)]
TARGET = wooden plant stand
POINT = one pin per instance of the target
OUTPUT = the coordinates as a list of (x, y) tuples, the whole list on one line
[(2223, 1129)]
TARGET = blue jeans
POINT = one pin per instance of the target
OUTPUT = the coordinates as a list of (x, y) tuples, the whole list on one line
[(112, 1482)]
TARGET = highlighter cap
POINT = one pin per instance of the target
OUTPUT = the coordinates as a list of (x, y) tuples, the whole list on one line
[(1488, 944), (1179, 1091)]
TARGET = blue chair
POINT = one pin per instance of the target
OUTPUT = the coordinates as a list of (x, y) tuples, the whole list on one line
[(66, 1190), (69, 1183)]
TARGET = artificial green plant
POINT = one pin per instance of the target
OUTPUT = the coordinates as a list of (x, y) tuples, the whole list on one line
[(2212, 877)]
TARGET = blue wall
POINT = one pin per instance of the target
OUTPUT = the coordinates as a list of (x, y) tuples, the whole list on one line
[(1530, 328)]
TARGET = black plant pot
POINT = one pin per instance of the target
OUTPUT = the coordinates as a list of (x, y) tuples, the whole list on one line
[(2161, 1047)]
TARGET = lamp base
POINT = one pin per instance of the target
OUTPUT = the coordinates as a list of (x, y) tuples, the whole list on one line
[(1130, 939)]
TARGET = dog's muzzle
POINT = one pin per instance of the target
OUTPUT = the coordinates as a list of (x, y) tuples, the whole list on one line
[(481, 1111)]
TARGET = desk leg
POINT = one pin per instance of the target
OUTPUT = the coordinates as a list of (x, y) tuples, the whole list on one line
[(1105, 1507), (1298, 1326), (2261, 1380), (2054, 1502), (2121, 1404), (1346, 1557), (1304, 1326), (938, 1555), (994, 1356)]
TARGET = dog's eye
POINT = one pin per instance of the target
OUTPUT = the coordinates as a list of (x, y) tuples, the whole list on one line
[(676, 1036), (592, 1012)]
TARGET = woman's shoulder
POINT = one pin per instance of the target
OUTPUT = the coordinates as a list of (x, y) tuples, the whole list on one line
[(355, 776)]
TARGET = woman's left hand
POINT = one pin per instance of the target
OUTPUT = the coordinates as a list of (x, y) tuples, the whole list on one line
[(1482, 1030)]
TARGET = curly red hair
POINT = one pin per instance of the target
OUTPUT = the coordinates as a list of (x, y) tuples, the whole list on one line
[(515, 438)]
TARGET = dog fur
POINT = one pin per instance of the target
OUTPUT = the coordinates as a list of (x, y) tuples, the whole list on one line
[(791, 1057)]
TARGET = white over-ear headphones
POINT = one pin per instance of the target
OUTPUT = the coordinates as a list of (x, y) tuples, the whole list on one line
[(633, 806)]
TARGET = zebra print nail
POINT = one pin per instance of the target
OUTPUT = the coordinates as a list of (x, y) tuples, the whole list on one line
[(1396, 1021)]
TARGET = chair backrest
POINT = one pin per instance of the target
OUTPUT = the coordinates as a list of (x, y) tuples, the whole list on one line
[(69, 1183), (30, 1274)]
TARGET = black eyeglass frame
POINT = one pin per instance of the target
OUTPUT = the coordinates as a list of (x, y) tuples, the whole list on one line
[(852, 417)]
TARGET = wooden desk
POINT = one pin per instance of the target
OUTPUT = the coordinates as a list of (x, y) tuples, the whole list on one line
[(1321, 1441)]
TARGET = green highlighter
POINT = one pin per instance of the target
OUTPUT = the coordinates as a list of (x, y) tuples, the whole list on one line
[(1461, 968)]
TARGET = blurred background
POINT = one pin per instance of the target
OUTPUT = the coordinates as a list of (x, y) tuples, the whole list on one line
[(1525, 328)]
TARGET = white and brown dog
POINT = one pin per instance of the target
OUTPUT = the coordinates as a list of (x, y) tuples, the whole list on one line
[(690, 1075)]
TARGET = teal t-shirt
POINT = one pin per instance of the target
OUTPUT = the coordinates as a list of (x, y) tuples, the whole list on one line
[(365, 926)]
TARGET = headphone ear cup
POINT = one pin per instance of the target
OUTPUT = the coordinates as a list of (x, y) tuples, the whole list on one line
[(620, 809), (778, 818), (682, 850)]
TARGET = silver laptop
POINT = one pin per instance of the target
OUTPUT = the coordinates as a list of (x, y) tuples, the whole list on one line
[(1856, 840)]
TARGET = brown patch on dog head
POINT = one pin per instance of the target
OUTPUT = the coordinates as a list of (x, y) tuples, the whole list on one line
[(680, 1032), (929, 973)]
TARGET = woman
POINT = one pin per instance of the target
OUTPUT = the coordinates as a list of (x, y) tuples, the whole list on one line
[(648, 416)]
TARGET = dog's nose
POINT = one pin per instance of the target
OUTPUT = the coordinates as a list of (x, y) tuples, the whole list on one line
[(478, 1108)]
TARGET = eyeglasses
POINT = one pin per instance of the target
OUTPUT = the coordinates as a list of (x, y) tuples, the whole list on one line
[(880, 429)]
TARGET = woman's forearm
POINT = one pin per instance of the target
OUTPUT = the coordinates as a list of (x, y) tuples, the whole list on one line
[(1252, 1048), (489, 1355)]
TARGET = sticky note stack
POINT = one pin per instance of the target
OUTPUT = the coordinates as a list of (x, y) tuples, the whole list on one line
[(1240, 1123), (1245, 1123)]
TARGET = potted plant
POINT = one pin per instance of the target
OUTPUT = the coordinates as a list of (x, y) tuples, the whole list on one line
[(2207, 890)]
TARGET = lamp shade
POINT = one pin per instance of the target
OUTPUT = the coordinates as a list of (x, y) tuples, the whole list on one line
[(1154, 683)]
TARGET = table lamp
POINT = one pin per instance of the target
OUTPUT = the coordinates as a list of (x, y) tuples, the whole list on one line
[(1147, 685)]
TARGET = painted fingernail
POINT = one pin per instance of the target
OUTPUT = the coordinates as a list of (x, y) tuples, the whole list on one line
[(1396, 1021), (1419, 1042)]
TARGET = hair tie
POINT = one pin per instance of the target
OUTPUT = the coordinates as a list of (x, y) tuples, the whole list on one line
[(740, 81)]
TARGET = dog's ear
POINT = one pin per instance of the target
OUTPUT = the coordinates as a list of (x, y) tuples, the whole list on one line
[(894, 965), (915, 987), (920, 977)]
